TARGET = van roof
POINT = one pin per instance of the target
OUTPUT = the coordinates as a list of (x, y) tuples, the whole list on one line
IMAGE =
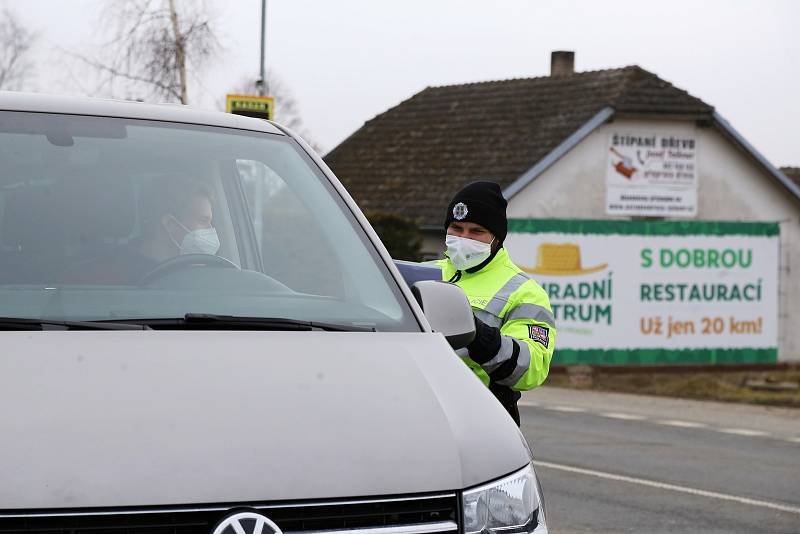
[(45, 103)]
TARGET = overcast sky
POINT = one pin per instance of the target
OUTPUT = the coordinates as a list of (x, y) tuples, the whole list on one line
[(349, 60)]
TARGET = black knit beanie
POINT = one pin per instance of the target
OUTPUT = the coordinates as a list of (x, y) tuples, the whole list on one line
[(481, 203)]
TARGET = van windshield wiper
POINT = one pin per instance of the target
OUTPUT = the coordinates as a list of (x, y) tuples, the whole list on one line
[(24, 323), (209, 321)]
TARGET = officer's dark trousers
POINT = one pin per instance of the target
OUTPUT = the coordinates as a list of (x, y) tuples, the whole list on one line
[(508, 398)]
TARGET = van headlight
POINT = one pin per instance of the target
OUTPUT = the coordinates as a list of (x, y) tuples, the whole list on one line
[(510, 505)]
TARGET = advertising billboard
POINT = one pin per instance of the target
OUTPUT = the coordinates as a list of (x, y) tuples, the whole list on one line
[(655, 292)]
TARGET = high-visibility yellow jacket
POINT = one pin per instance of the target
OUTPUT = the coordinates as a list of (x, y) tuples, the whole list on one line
[(505, 297)]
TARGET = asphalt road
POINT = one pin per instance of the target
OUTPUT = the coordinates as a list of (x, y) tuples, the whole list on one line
[(626, 463)]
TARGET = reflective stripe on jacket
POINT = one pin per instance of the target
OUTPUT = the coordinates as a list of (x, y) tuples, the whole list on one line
[(505, 297)]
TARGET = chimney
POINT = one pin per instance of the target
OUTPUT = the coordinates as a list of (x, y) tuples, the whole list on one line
[(562, 63)]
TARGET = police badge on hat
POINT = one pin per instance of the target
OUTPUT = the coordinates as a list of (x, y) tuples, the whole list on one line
[(460, 211)]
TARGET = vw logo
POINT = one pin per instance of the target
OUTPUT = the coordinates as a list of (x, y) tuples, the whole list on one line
[(460, 211), (246, 523)]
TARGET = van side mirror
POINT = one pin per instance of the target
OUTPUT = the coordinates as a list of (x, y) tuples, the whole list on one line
[(447, 310)]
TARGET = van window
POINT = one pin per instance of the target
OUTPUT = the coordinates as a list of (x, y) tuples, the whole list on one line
[(114, 219)]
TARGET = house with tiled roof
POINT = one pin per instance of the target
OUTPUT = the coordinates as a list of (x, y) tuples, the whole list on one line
[(620, 151)]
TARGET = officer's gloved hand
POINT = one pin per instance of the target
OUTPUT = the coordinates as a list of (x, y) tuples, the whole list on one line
[(486, 344)]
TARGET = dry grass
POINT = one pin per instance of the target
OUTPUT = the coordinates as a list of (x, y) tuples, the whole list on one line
[(720, 385)]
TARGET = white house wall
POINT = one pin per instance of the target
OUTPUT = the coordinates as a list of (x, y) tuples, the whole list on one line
[(731, 187)]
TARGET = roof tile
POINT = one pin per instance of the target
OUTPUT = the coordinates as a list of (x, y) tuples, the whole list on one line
[(793, 173)]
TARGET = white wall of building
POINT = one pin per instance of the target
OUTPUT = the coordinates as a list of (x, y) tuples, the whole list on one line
[(731, 187)]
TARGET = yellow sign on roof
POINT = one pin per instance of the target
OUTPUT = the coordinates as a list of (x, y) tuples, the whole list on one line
[(261, 107)]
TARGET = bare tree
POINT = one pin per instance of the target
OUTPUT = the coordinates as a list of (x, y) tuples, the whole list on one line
[(16, 67), (154, 46), (287, 110)]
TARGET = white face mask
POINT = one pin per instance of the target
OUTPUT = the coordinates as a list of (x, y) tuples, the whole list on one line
[(202, 241), (467, 253)]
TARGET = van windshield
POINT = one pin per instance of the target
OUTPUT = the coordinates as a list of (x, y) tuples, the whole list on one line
[(105, 219)]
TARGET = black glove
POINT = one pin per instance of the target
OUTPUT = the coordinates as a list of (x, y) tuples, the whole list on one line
[(486, 344)]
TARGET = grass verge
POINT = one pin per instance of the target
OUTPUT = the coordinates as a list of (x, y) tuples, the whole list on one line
[(718, 385)]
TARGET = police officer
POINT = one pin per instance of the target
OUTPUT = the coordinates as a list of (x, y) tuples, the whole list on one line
[(515, 328)]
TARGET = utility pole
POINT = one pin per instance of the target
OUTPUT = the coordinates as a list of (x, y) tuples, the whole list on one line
[(262, 91), (262, 81)]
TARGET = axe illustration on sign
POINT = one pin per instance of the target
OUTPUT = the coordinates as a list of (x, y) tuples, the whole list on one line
[(624, 167)]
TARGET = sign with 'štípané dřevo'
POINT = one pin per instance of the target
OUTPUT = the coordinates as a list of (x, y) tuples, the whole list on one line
[(651, 174), (655, 291)]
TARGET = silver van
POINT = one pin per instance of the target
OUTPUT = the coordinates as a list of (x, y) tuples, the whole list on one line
[(200, 333)]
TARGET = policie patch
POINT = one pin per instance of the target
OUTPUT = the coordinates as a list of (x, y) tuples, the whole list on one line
[(539, 334)]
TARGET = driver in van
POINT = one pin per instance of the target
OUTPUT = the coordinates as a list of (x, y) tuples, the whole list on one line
[(177, 219), (179, 222)]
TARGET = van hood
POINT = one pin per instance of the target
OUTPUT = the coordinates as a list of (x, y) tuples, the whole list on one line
[(119, 418)]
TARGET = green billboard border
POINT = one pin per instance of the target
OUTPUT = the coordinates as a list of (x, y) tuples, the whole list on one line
[(647, 228), (663, 356)]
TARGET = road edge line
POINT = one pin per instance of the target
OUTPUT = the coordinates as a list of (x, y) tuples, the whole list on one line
[(671, 487)]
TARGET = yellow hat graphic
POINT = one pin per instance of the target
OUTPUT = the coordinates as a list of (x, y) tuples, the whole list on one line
[(557, 259)]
